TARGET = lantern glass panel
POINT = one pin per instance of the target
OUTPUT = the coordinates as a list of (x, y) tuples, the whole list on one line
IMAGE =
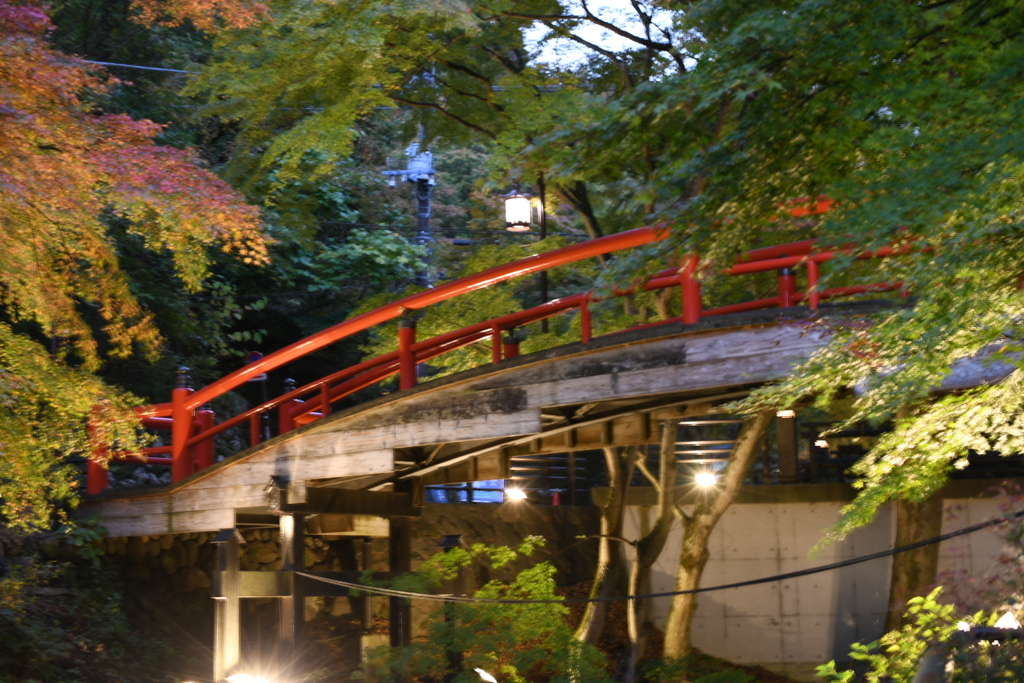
[(517, 211)]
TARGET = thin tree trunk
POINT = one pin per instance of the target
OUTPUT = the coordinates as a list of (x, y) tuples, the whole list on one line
[(649, 548), (620, 464), (697, 528), (663, 302), (913, 572), (577, 197)]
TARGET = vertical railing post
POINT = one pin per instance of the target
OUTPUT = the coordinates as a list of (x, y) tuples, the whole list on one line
[(813, 293), (690, 291), (495, 344), (586, 326), (204, 449), (254, 429), (285, 416), (96, 474), (181, 427), (325, 399), (406, 355), (787, 287), (511, 345)]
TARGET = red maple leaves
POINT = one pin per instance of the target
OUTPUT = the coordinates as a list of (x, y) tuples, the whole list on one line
[(64, 168)]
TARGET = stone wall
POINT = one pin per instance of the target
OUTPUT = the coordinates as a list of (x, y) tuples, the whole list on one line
[(176, 569)]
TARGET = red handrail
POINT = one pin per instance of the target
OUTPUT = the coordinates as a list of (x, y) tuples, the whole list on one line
[(192, 431), (492, 276)]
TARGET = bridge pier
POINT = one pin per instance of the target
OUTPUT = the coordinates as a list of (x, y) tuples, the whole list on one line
[(399, 561), (292, 538), (227, 645)]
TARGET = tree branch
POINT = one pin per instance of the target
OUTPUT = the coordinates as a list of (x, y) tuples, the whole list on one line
[(446, 113)]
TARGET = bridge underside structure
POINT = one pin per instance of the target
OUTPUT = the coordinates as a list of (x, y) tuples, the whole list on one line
[(362, 472)]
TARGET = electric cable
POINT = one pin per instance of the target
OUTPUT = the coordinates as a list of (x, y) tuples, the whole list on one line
[(137, 66), (737, 584)]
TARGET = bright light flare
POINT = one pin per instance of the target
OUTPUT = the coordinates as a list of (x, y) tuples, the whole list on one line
[(821, 443), (515, 494), (1007, 621), (705, 480), (785, 413), (244, 678), (486, 676)]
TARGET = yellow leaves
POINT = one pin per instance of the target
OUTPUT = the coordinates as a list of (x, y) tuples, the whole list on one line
[(62, 168)]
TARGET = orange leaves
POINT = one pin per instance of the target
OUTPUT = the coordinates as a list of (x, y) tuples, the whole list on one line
[(207, 15), (65, 170)]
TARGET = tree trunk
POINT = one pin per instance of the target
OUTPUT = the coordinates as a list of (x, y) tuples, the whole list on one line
[(663, 302), (577, 197), (649, 547), (913, 572), (697, 528), (620, 464)]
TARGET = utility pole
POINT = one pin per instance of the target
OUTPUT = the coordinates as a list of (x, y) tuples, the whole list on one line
[(421, 174)]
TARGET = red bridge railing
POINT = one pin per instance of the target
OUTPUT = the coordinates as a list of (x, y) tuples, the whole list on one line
[(192, 426)]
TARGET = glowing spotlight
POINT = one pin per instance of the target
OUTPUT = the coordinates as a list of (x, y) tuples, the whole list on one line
[(821, 443), (705, 479), (244, 678), (1007, 621), (515, 494), (483, 674)]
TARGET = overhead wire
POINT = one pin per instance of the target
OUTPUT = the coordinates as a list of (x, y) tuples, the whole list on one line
[(377, 590)]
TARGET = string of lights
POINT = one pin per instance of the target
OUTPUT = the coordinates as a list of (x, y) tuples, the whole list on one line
[(737, 584)]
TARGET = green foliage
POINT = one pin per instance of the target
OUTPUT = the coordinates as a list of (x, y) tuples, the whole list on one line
[(896, 655), (44, 404), (502, 299), (85, 538), (908, 115), (62, 623), (515, 642)]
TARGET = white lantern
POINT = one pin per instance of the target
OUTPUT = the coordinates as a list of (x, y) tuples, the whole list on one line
[(517, 211)]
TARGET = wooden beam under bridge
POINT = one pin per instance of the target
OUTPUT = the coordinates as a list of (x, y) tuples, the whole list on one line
[(281, 584)]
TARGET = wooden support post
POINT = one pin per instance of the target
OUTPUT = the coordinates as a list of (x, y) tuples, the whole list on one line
[(399, 561), (367, 598), (181, 427), (227, 646), (293, 608), (406, 356), (785, 423)]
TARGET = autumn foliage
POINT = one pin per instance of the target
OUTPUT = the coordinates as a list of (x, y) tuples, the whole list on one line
[(68, 171)]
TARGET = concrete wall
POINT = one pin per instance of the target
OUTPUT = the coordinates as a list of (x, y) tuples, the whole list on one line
[(792, 626)]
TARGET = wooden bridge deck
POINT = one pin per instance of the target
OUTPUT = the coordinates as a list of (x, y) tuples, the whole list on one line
[(610, 391)]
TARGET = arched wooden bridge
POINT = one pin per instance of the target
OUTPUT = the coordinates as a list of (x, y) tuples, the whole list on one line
[(361, 471)]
